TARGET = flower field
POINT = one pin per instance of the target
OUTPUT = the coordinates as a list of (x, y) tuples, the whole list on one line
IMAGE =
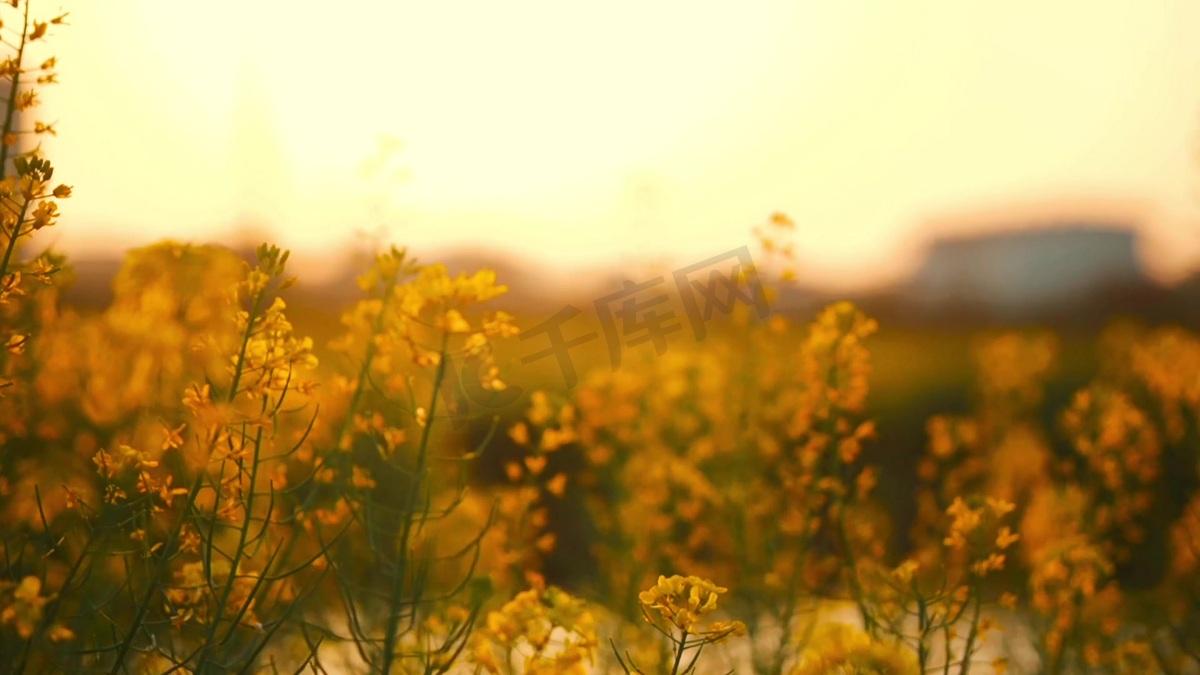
[(190, 482)]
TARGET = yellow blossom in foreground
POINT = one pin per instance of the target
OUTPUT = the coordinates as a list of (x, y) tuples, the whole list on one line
[(24, 608), (838, 649), (681, 601), (558, 628)]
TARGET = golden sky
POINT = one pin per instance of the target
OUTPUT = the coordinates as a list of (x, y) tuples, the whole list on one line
[(589, 133)]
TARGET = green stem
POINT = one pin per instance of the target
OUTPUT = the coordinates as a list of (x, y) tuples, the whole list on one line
[(949, 649), (966, 658), (10, 112), (852, 569), (231, 579), (679, 653), (246, 335), (368, 358), (12, 239), (144, 605), (789, 612), (922, 627), (54, 606), (9, 116), (355, 399), (392, 634), (176, 531)]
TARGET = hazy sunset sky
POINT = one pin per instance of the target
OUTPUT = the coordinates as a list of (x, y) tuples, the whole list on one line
[(589, 133)]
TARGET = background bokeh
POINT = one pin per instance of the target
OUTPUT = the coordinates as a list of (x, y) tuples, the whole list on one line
[(567, 138)]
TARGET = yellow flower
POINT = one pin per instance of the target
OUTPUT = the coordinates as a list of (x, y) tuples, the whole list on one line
[(45, 214), (993, 562), (839, 649), (904, 573), (535, 463), (483, 654), (1006, 538), (866, 482), (513, 471), (720, 629), (25, 610), (27, 99), (16, 343), (540, 410), (781, 219), (173, 438), (453, 322), (681, 601), (197, 398), (499, 324), (60, 633), (1000, 507), (557, 486), (531, 618), (519, 433)]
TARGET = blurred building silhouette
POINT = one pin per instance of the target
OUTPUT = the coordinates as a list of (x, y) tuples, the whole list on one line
[(1019, 272)]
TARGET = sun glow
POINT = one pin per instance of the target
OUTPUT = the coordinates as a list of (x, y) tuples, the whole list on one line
[(591, 133)]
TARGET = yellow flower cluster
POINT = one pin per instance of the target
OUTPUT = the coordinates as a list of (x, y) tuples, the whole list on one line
[(273, 357), (547, 630), (682, 602), (1071, 584), (975, 533), (1185, 535), (839, 649), (1012, 366), (1000, 449), (535, 486), (1120, 448), (648, 435), (775, 241), (1167, 361), (191, 597), (170, 322), (189, 482), (23, 607)]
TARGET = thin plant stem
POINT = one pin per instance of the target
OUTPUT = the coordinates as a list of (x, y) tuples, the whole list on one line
[(392, 630)]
